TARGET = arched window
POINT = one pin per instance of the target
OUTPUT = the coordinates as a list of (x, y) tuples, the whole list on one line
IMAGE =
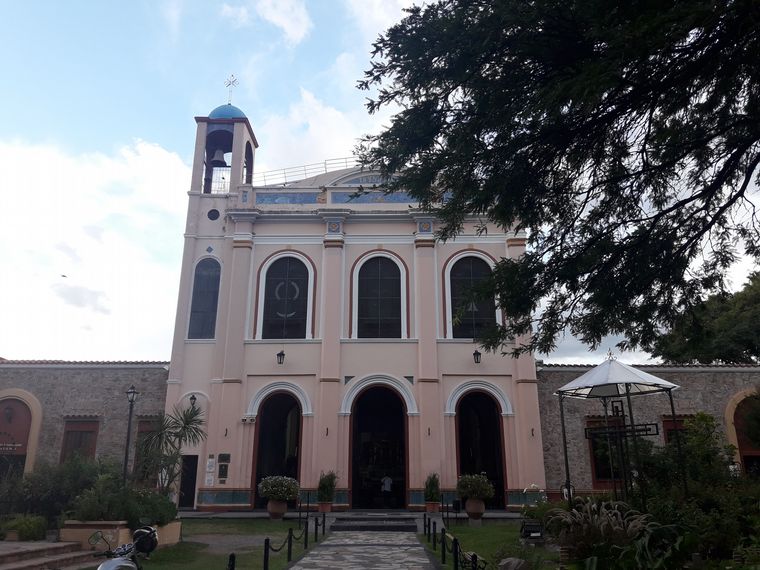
[(469, 319), (286, 296), (205, 299), (379, 299)]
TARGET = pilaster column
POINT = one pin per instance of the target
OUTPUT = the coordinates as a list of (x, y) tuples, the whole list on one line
[(326, 430)]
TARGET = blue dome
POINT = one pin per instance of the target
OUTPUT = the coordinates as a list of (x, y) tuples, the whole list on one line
[(227, 111)]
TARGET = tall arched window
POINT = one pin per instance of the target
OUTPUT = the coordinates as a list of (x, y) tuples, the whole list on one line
[(286, 296), (205, 299), (379, 299), (469, 318)]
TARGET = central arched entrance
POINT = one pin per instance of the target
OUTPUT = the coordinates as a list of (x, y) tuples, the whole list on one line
[(378, 450), (278, 439), (480, 448)]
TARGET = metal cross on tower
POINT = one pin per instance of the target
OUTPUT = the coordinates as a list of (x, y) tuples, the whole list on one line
[(230, 83)]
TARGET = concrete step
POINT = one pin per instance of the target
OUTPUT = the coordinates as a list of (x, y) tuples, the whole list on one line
[(370, 518), (78, 559), (27, 550), (374, 524)]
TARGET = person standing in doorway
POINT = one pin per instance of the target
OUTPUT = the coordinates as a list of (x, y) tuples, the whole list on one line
[(386, 486)]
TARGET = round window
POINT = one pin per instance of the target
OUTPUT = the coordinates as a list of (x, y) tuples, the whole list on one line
[(213, 214)]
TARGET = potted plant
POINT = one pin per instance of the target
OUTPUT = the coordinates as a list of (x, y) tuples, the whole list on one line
[(432, 493), (326, 491), (474, 489), (278, 490)]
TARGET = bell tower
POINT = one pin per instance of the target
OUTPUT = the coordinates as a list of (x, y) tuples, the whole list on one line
[(224, 151)]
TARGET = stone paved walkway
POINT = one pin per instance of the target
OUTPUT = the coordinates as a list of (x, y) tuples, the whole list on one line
[(367, 551)]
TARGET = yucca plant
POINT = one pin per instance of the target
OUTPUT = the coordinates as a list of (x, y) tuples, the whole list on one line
[(161, 450)]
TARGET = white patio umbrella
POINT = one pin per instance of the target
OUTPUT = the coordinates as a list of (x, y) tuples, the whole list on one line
[(613, 379)]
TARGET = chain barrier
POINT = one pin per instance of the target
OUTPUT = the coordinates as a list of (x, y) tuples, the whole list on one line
[(459, 558), (304, 534)]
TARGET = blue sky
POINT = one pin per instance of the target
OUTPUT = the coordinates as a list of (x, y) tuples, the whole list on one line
[(93, 76), (97, 101)]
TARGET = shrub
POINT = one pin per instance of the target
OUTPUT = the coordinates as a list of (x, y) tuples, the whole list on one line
[(656, 546), (11, 493), (51, 489), (109, 500), (432, 488), (279, 488), (474, 487), (29, 527), (326, 487), (540, 510), (593, 527)]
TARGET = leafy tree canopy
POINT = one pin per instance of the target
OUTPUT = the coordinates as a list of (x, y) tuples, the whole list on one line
[(623, 137), (723, 329)]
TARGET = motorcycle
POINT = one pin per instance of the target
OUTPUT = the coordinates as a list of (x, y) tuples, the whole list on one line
[(127, 556)]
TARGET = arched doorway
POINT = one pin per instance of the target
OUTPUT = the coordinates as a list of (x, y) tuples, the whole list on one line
[(747, 423), (480, 448), (378, 450), (278, 439), (15, 425)]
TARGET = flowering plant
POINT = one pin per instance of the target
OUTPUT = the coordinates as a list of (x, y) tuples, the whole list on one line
[(279, 488), (474, 487)]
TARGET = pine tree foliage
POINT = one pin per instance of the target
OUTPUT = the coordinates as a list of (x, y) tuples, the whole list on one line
[(623, 137)]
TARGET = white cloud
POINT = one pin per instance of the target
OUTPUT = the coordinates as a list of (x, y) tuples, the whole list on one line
[(91, 246), (376, 16), (290, 16), (310, 131), (172, 13), (238, 15)]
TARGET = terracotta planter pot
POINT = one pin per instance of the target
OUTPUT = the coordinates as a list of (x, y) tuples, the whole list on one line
[(11, 535), (325, 507), (276, 509), (432, 507), (475, 508)]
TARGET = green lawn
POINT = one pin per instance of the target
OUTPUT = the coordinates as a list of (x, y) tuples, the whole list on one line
[(493, 541), (191, 554)]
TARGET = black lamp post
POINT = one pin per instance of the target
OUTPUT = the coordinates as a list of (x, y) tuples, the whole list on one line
[(193, 399), (131, 397), (281, 357), (476, 356)]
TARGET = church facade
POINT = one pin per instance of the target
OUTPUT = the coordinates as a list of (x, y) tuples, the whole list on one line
[(322, 329)]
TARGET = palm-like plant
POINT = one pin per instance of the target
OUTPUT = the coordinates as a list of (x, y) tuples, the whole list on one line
[(161, 450)]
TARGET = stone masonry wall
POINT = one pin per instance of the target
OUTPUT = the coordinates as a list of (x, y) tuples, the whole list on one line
[(702, 389), (89, 391)]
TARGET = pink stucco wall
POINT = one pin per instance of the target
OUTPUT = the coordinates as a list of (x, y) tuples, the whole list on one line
[(232, 373)]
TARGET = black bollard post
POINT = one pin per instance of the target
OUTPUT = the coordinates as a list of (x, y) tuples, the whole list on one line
[(306, 534), (424, 523), (290, 544), (300, 508), (455, 553), (474, 561), (435, 534), (316, 530), (324, 523), (443, 546), (231, 562), (266, 554)]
